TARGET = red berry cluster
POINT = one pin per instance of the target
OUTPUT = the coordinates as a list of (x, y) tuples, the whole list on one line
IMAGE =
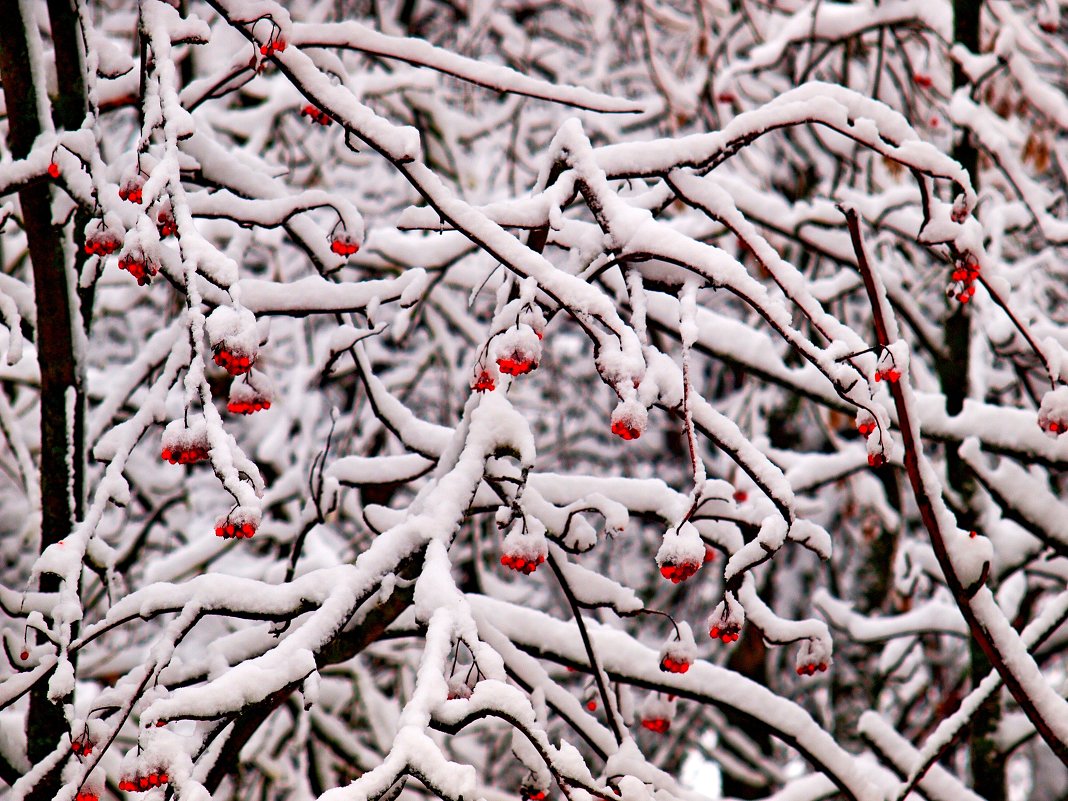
[(139, 784), (727, 633), (272, 47), (658, 725), (344, 245), (962, 280), (139, 267), (677, 572), (669, 665), (624, 430), (229, 530), (83, 746), (876, 459), (922, 80), (811, 668), (889, 374), (484, 382), (53, 170), (165, 223), (131, 190), (315, 115), (532, 794), (521, 564), (515, 364), (102, 243), (740, 496), (248, 406), (866, 425), (233, 363), (189, 455), (86, 795)]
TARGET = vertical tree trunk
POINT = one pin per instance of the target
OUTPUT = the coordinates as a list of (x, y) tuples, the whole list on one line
[(57, 314), (987, 761)]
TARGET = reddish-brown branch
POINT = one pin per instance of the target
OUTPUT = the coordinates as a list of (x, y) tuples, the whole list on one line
[(923, 497)]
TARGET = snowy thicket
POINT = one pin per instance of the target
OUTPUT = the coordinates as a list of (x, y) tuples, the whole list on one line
[(521, 399)]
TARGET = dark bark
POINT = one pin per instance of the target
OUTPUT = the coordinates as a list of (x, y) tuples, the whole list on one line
[(61, 476)]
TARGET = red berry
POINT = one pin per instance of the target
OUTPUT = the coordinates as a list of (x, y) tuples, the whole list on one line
[(53, 170), (591, 705), (280, 45), (876, 460), (865, 428), (24, 655), (669, 665), (922, 80), (657, 725), (624, 431), (740, 496), (726, 97), (484, 382)]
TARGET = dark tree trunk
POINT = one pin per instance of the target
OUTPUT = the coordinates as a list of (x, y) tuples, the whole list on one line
[(58, 322)]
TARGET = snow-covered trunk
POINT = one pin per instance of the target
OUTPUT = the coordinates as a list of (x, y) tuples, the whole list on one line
[(62, 405)]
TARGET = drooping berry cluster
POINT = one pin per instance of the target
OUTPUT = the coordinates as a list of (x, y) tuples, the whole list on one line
[(810, 668), (274, 46), (726, 633), (247, 397), (140, 784), (865, 423), (344, 245), (657, 725), (316, 115), (233, 362), (183, 445), (961, 285), (165, 223), (190, 455), (669, 665), (677, 572), (102, 242), (891, 375), (247, 407), (132, 189), (531, 793), (522, 564), (53, 170), (82, 746), (876, 459), (629, 419), (86, 795), (484, 382), (517, 350), (229, 529), (139, 266)]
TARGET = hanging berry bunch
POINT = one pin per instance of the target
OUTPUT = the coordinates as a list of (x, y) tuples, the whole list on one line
[(961, 286), (140, 783), (185, 444), (165, 224), (812, 657), (238, 524), (681, 553), (316, 115), (246, 398), (725, 623), (344, 244), (629, 419), (137, 263), (101, 240), (484, 381), (657, 712), (678, 653), (517, 351), (233, 339), (865, 423), (132, 189), (523, 551)]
